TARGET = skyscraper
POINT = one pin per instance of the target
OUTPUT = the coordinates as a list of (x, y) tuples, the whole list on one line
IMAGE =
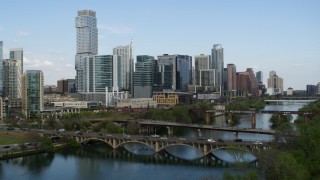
[(1, 68), (174, 72), (144, 76), (259, 76), (17, 54), (217, 63), (87, 43), (231, 77), (275, 84), (201, 62), (32, 94), (12, 78), (126, 64)]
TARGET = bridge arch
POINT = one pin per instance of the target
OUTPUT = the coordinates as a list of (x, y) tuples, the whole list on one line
[(94, 139), (139, 142)]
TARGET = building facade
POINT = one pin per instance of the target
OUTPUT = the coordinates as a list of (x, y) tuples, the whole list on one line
[(12, 78), (231, 77), (1, 68), (311, 90), (32, 96), (259, 76), (125, 67), (17, 54), (87, 44), (275, 84), (174, 72), (144, 76), (66, 86), (218, 63)]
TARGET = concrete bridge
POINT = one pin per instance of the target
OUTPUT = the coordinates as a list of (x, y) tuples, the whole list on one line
[(149, 125), (158, 144)]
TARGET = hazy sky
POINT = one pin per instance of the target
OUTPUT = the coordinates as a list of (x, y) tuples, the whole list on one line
[(280, 35)]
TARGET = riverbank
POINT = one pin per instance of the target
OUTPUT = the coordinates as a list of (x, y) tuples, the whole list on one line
[(14, 153)]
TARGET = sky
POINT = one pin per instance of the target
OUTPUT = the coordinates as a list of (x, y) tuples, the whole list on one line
[(265, 35)]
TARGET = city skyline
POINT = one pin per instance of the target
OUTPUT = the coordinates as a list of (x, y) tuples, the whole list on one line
[(265, 36)]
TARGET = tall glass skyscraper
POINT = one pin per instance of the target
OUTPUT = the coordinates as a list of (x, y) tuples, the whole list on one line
[(126, 65), (17, 54), (100, 73), (87, 43), (144, 76), (174, 72), (217, 63), (1, 68), (259, 77), (12, 78), (32, 95)]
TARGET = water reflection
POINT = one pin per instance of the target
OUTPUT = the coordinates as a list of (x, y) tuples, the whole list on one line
[(234, 155), (139, 149), (184, 152)]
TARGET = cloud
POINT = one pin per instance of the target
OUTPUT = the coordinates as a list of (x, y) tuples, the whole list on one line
[(68, 65), (23, 33), (36, 63), (116, 29), (55, 51)]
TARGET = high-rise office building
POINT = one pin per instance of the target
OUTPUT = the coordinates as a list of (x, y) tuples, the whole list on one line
[(231, 77), (318, 89), (100, 72), (201, 63), (217, 64), (259, 77), (247, 83), (275, 84), (17, 54), (12, 78), (126, 65), (311, 90), (1, 68), (32, 94), (87, 44), (144, 76), (174, 72)]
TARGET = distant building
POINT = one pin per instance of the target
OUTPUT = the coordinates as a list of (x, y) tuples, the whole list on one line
[(77, 104), (318, 88), (259, 77), (125, 67), (87, 44), (144, 76), (66, 86), (171, 98), (1, 68), (311, 90), (247, 83), (173, 72), (137, 103), (12, 78), (50, 89), (17, 54), (32, 96), (290, 91), (231, 77), (275, 84), (218, 64)]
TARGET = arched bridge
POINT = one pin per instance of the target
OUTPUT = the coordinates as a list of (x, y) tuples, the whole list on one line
[(159, 144)]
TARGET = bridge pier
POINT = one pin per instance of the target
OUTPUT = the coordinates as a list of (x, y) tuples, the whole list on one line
[(305, 119), (207, 117), (170, 130), (253, 121), (199, 133), (236, 134)]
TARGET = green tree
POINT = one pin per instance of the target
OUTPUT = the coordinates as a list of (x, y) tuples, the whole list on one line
[(47, 144)]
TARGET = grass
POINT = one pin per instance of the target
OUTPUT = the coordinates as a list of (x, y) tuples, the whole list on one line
[(17, 137)]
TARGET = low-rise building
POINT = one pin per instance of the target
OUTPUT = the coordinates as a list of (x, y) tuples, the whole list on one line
[(137, 103), (78, 104)]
